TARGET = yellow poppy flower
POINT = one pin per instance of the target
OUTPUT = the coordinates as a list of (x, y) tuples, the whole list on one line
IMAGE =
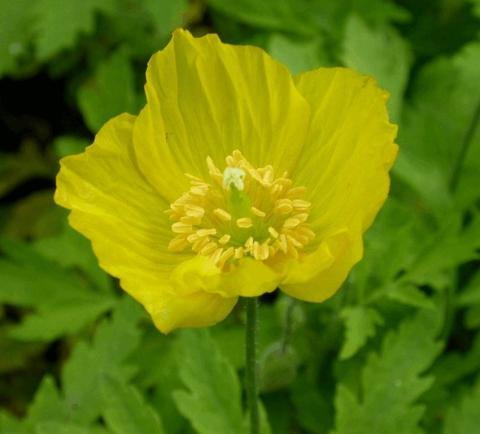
[(235, 179)]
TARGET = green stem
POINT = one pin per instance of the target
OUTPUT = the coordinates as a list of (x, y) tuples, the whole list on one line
[(251, 364)]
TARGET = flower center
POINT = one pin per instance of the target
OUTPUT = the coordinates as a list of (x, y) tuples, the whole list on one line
[(245, 211)]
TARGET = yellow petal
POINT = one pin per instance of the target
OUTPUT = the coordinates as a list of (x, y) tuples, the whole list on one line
[(199, 309), (122, 215), (318, 276), (349, 151), (206, 98)]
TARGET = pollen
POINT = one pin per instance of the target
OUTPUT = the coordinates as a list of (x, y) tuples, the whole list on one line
[(242, 211)]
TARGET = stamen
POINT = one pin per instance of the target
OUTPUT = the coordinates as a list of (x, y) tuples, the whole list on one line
[(244, 222), (202, 216), (222, 214), (181, 228), (258, 212), (224, 239)]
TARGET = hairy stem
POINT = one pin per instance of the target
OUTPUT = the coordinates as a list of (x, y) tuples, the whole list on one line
[(251, 364)]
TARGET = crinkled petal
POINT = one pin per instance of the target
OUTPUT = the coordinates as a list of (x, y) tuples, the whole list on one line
[(206, 98), (249, 278), (123, 215), (349, 150), (318, 276)]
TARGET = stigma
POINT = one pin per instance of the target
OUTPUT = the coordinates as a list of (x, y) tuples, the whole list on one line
[(241, 212)]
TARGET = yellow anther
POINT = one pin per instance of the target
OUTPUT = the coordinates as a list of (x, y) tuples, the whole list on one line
[(215, 257), (209, 248), (301, 204), (257, 212), (201, 221), (177, 244), (226, 255), (244, 222), (194, 210), (224, 239), (296, 192), (248, 244), (181, 228), (193, 237), (273, 232), (282, 243), (283, 206), (206, 232), (199, 190), (291, 223), (222, 214), (293, 241), (239, 253), (200, 244), (302, 216), (213, 170), (189, 220)]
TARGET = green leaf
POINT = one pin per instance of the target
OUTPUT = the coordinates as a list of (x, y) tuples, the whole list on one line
[(391, 382), (360, 325), (113, 343), (212, 402), (15, 25), (464, 418), (471, 294), (299, 56), (382, 53), (72, 250), (64, 305), (109, 92), (66, 428), (47, 405), (126, 412), (60, 22), (268, 14), (431, 138), (410, 295)]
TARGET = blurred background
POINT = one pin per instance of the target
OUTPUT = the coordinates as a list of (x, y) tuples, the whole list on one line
[(396, 351)]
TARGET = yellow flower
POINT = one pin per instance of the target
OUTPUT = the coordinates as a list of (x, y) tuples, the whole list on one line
[(235, 179)]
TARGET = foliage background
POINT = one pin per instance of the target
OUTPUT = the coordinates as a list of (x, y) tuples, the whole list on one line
[(396, 351)]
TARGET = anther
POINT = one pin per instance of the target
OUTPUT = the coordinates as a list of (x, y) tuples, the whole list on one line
[(224, 239), (257, 212), (206, 232), (244, 222), (272, 231), (291, 223), (181, 228), (222, 214)]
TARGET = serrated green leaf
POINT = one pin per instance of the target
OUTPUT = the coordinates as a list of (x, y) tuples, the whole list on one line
[(113, 343), (11, 425), (464, 418), (382, 53), (58, 23), (109, 92), (360, 325), (71, 250), (431, 138), (47, 405), (391, 382), (125, 410), (63, 304), (213, 401), (410, 295)]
